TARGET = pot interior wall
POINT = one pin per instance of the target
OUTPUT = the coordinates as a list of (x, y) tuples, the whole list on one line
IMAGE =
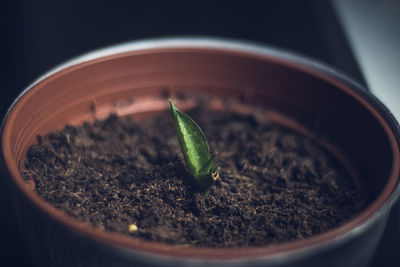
[(139, 83)]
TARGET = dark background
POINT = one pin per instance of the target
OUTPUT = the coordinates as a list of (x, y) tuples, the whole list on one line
[(38, 35)]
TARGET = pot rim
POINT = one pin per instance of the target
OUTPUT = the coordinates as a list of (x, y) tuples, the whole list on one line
[(277, 252)]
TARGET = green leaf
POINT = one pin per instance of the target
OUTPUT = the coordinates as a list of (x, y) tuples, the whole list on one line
[(195, 150)]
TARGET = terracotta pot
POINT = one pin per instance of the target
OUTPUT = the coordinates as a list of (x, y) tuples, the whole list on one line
[(135, 79)]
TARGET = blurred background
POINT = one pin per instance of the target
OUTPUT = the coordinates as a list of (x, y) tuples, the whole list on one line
[(361, 38)]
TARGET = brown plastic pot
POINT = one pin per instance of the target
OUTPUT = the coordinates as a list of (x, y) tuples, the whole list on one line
[(135, 78)]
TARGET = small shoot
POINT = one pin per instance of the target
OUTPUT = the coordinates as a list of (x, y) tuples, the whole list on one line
[(195, 150)]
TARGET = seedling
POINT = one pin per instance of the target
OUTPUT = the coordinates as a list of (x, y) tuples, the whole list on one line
[(195, 150)]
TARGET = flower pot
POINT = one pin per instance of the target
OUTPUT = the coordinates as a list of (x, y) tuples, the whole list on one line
[(136, 78)]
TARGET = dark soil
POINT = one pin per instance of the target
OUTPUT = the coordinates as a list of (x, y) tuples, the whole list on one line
[(275, 184)]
